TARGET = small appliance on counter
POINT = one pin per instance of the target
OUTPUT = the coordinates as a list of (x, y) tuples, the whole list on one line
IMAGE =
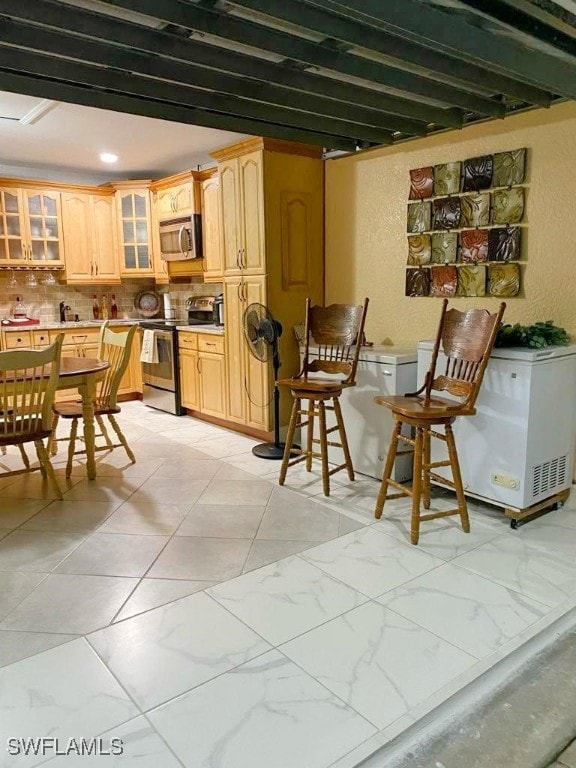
[(200, 310), (218, 310), (19, 316)]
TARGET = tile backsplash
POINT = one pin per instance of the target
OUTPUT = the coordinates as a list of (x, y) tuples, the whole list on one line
[(42, 301)]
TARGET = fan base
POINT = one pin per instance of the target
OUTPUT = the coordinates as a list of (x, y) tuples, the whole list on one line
[(269, 450)]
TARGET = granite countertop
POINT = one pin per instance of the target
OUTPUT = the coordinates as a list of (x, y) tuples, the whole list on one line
[(62, 326), (215, 329)]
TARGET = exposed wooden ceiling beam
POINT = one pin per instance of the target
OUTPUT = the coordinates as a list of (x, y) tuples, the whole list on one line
[(35, 85), (355, 33), (314, 54), (448, 32), (74, 72)]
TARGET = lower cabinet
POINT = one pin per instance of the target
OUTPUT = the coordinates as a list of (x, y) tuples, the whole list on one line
[(189, 379), (212, 384), (202, 373)]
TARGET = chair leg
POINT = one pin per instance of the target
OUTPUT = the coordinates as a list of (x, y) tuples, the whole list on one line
[(309, 442), (24, 456), (426, 452), (71, 446), (52, 446), (343, 438), (122, 439), (417, 485), (458, 487), (104, 431), (289, 440), (45, 463), (388, 467), (323, 447)]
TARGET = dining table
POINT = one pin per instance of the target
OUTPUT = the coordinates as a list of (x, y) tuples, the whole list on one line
[(83, 374)]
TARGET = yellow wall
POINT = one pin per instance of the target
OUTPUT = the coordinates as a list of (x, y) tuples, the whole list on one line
[(366, 247)]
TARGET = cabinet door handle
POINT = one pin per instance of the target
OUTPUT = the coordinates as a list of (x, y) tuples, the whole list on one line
[(238, 259), (96, 267), (243, 260), (199, 366), (209, 344), (238, 292), (245, 291)]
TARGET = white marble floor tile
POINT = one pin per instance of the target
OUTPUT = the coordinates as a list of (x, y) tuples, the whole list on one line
[(4, 532), (114, 554), (165, 490), (228, 471), (15, 587), (293, 517), (164, 652), (36, 550), (565, 517), (121, 466), (348, 524), (20, 645), (265, 551), (188, 468), (63, 692), (247, 462), (547, 536), (370, 561), (227, 445), (376, 661), (152, 593), (475, 614), (201, 559), (222, 521), (141, 747), (82, 516), (307, 483), (359, 495), (105, 489), (242, 492), (33, 486), (283, 600), (153, 518), (549, 577), (14, 512), (70, 604), (270, 715)]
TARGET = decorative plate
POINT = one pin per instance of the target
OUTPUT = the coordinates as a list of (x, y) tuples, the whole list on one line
[(472, 280), (475, 210), (477, 173), (419, 250), (444, 281), (444, 247), (504, 244), (447, 178), (509, 168), (417, 282), (147, 303), (419, 215), (447, 213), (421, 183), (508, 205), (504, 280), (474, 245)]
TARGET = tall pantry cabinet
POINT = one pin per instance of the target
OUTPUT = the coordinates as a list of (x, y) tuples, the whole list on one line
[(272, 205)]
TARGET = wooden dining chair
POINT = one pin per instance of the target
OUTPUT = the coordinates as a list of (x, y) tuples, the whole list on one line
[(336, 332), (114, 346), (28, 381), (466, 338)]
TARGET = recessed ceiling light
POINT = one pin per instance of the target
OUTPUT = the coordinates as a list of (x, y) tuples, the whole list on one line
[(108, 157)]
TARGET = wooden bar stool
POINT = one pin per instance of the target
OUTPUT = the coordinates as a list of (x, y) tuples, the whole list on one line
[(337, 331), (467, 339)]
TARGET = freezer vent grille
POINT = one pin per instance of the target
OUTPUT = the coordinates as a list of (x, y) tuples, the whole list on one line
[(549, 475)]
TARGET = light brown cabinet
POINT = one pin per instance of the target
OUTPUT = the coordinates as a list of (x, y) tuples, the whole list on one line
[(30, 227), (176, 201), (134, 230), (89, 225), (211, 228), (202, 373)]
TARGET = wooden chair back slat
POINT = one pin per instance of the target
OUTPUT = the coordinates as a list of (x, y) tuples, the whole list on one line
[(115, 347)]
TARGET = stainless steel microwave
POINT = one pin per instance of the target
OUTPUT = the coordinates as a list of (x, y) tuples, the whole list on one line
[(181, 239)]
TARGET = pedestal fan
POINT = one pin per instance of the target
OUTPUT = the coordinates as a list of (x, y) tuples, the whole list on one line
[(262, 332)]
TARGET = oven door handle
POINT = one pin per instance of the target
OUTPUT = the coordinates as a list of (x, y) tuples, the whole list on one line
[(180, 233)]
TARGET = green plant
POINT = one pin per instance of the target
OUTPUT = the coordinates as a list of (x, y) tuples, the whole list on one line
[(537, 335)]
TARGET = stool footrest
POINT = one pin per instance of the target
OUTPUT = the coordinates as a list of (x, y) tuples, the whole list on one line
[(337, 469), (407, 440), (433, 464), (396, 496), (404, 490), (442, 480), (446, 513), (437, 435)]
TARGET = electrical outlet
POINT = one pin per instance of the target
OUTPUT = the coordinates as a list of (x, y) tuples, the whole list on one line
[(506, 481)]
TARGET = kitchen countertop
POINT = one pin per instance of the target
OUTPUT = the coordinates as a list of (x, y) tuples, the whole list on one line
[(215, 329), (62, 326)]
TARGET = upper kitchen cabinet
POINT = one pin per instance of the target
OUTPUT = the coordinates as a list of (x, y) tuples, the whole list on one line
[(30, 227), (90, 236), (176, 201), (211, 228), (134, 230)]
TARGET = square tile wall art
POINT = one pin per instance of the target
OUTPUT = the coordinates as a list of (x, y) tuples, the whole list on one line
[(444, 247), (419, 250), (419, 216), (509, 168), (444, 281), (477, 173), (421, 183), (503, 244), (447, 213), (474, 245), (507, 205), (417, 282), (447, 178), (475, 210), (504, 280), (472, 280)]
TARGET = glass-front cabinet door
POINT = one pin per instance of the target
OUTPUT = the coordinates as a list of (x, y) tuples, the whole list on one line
[(134, 210), (44, 227), (12, 228)]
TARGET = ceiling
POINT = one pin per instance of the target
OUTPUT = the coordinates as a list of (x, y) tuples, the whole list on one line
[(342, 74)]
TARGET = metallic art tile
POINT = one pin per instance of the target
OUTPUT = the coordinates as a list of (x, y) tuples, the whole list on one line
[(503, 244), (507, 205), (474, 245), (447, 178), (504, 280), (444, 281), (417, 282), (447, 213), (419, 216), (475, 210), (472, 280), (421, 183), (419, 250), (477, 173), (444, 247), (509, 168)]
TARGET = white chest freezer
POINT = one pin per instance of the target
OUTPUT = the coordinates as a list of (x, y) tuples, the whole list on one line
[(517, 451)]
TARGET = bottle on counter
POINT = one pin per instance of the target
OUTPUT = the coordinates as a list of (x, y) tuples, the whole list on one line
[(95, 308), (19, 308), (113, 308), (105, 308)]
